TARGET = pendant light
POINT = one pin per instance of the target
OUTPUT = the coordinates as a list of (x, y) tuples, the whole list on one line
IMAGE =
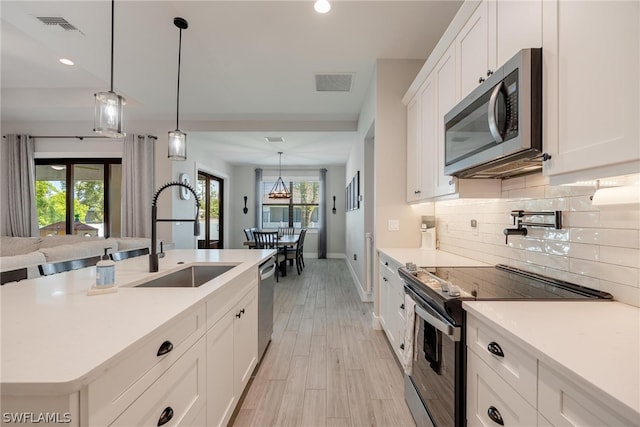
[(178, 139), (107, 119), (280, 190)]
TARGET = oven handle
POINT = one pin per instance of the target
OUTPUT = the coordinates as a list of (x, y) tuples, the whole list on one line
[(453, 332)]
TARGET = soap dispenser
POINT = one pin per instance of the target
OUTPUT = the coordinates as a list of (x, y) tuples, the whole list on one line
[(105, 270)]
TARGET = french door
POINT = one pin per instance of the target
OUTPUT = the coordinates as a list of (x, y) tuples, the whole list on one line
[(210, 190)]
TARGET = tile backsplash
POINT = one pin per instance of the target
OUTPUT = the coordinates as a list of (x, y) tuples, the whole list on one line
[(595, 248)]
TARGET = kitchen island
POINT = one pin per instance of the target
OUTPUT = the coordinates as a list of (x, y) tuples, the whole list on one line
[(88, 358)]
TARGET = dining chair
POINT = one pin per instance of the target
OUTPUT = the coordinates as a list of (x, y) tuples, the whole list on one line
[(119, 256), (286, 231), (73, 264), (248, 232), (295, 254), (269, 240)]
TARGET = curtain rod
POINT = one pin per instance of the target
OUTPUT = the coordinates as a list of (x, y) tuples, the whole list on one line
[(79, 137)]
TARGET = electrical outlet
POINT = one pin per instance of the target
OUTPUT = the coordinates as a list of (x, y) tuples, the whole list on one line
[(393, 225)]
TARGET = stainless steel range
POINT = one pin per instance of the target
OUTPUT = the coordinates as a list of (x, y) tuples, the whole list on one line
[(435, 389)]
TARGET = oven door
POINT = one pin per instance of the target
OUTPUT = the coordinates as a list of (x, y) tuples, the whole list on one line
[(436, 376)]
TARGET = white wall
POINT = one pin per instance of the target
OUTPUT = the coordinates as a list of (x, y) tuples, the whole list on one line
[(243, 184)]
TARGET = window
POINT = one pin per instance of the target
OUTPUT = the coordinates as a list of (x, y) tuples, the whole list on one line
[(301, 211), (210, 191), (77, 196)]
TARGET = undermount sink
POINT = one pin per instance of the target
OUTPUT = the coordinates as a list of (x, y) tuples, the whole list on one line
[(190, 277)]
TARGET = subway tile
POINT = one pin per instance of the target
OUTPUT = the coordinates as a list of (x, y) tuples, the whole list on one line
[(553, 191), (560, 235), (528, 193), (549, 261), (625, 294), (614, 273), (610, 218), (570, 277), (606, 237), (581, 219), (513, 184), (536, 180), (580, 204), (620, 256)]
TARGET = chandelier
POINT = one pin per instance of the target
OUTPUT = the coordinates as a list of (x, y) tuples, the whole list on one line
[(280, 190)]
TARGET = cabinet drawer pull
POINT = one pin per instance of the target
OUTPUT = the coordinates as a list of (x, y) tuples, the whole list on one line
[(494, 348), (238, 315), (402, 346), (495, 416), (481, 79), (385, 279), (165, 348), (386, 263), (242, 311), (166, 416), (401, 306)]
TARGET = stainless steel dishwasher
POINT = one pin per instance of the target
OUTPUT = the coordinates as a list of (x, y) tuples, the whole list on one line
[(265, 304)]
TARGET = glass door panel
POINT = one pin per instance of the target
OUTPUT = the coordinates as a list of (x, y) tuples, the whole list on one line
[(88, 200), (210, 192), (51, 199)]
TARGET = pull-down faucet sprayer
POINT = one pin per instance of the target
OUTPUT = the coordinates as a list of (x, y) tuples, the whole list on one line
[(153, 256)]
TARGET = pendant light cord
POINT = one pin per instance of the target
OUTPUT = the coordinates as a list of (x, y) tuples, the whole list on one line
[(178, 97), (113, 2)]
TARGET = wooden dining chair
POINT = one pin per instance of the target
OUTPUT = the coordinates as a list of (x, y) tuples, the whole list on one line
[(295, 253), (73, 264), (286, 231)]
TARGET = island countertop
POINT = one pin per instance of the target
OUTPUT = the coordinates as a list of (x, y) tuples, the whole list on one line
[(55, 337)]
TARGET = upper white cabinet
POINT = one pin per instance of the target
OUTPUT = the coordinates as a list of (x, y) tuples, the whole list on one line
[(414, 165), (591, 57), (472, 48), (513, 25)]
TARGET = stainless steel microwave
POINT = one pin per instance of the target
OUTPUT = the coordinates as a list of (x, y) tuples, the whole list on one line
[(496, 131)]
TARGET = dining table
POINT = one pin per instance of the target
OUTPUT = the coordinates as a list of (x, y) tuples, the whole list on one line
[(284, 241)]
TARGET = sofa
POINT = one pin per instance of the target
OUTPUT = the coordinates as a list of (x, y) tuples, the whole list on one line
[(29, 252)]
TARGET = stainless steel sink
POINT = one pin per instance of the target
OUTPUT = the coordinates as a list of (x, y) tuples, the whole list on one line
[(190, 277)]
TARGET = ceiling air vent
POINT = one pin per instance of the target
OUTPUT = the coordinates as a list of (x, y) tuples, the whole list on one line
[(56, 22), (274, 139), (334, 82)]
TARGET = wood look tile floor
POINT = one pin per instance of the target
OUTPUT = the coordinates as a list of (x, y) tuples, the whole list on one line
[(326, 365)]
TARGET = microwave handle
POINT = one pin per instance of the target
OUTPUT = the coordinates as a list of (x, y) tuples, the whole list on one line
[(493, 121)]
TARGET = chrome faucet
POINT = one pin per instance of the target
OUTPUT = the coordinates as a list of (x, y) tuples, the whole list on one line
[(154, 256)]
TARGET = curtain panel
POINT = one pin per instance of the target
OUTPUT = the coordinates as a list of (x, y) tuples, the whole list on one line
[(138, 171), (322, 232), (258, 200), (18, 181)]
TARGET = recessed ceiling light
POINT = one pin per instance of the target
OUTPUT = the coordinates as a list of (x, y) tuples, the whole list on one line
[(66, 61), (322, 6)]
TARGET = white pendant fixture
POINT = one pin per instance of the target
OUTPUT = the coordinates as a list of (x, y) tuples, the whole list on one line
[(322, 6), (177, 138), (280, 190), (108, 114)]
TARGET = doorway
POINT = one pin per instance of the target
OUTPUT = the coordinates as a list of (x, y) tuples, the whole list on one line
[(210, 190)]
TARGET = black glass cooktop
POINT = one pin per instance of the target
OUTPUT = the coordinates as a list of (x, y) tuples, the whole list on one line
[(448, 286)]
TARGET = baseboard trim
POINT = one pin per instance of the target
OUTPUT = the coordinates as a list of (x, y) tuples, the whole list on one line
[(363, 295), (375, 322)]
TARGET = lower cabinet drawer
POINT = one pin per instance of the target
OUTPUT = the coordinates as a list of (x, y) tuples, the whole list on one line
[(491, 401), (514, 365), (564, 403), (120, 385), (177, 398)]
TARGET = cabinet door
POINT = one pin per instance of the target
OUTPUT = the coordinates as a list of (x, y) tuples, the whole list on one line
[(591, 57), (446, 99), (221, 395), (428, 166), (472, 50), (414, 152), (246, 339), (517, 25)]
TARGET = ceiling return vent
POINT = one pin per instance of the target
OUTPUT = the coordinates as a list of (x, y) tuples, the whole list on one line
[(274, 139), (334, 82), (57, 23)]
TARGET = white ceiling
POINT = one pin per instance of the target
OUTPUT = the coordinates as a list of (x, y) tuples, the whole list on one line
[(247, 67)]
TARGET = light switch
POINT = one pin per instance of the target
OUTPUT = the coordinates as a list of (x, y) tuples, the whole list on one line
[(394, 225)]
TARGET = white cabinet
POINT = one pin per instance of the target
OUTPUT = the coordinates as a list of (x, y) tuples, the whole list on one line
[(414, 151), (564, 403), (134, 379), (591, 57), (503, 377), (392, 313), (177, 398), (513, 25), (472, 48), (232, 354)]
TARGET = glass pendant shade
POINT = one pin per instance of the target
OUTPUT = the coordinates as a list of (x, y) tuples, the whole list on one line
[(177, 145), (108, 114)]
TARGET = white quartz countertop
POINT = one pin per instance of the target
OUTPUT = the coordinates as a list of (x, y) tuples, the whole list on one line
[(430, 258), (596, 343), (55, 337)]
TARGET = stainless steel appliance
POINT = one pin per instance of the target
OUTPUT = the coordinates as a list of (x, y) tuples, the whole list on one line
[(436, 389), (265, 304), (496, 131)]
